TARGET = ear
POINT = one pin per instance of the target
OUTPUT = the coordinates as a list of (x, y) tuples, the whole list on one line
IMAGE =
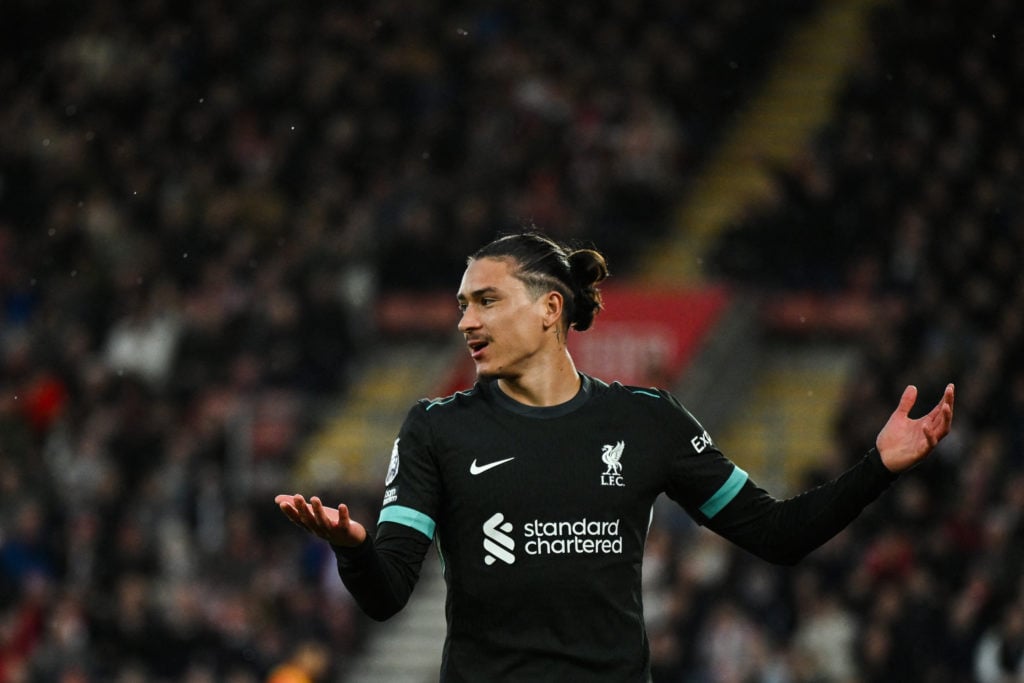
[(553, 305)]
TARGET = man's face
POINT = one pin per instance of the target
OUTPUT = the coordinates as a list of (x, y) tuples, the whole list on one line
[(504, 326)]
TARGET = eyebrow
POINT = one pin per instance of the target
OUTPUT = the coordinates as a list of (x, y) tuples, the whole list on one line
[(476, 294)]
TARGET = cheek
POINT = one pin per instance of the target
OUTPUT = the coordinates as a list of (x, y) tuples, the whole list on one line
[(525, 332), (520, 328)]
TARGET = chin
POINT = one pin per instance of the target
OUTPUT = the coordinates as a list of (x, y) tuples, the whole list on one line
[(489, 374)]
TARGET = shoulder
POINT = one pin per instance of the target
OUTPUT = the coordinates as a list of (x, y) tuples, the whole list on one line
[(659, 404), (651, 396), (451, 403), (428, 418)]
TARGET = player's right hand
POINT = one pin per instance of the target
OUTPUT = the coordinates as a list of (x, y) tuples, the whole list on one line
[(333, 525)]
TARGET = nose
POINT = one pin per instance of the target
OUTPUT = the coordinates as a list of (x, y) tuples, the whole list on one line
[(468, 321)]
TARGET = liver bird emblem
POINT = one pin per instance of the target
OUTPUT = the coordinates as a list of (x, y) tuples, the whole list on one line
[(611, 456)]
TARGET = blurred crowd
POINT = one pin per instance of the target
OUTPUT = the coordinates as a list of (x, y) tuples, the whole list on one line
[(911, 197), (199, 202)]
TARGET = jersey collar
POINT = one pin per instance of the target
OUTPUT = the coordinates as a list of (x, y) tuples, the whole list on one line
[(541, 412)]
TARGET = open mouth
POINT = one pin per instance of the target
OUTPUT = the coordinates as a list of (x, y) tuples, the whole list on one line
[(476, 347)]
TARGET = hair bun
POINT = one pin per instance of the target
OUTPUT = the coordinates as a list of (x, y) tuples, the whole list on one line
[(588, 268)]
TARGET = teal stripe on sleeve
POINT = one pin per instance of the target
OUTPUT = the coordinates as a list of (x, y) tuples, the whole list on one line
[(413, 519), (645, 393), (725, 493), (439, 402)]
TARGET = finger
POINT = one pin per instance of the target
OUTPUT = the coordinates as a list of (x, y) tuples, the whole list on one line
[(907, 401), (344, 517), (283, 500), (294, 518), (322, 520), (305, 514), (938, 421), (943, 410), (284, 503)]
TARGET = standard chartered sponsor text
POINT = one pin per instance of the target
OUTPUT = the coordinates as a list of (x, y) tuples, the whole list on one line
[(580, 537)]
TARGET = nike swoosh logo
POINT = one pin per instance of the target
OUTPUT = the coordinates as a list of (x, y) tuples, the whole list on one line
[(475, 469)]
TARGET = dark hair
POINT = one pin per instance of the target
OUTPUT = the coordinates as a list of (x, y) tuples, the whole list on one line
[(543, 264)]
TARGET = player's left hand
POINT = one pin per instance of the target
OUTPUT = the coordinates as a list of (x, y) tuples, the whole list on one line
[(904, 442)]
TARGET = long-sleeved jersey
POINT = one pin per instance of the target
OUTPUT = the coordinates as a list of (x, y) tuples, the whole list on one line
[(540, 517)]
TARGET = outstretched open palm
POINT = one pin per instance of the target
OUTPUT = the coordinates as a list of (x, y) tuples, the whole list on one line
[(332, 525), (903, 442)]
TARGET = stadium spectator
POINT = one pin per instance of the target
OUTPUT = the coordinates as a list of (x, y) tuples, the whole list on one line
[(206, 154), (193, 197), (921, 210)]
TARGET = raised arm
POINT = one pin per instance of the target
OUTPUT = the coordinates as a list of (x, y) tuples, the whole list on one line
[(784, 531)]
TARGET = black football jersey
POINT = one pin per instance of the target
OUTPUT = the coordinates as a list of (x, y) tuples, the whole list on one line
[(540, 517)]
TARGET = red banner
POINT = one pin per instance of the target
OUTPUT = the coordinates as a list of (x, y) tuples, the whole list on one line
[(646, 337)]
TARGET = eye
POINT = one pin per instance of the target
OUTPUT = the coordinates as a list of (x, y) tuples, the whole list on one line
[(487, 301), (462, 306)]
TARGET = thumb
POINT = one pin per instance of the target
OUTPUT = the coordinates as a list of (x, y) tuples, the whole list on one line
[(907, 401)]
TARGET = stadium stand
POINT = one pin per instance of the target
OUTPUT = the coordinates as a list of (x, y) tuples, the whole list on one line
[(910, 199), (201, 203)]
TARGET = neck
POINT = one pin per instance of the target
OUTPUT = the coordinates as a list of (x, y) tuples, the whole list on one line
[(546, 386)]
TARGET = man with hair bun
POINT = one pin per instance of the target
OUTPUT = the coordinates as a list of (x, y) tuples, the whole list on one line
[(538, 483)]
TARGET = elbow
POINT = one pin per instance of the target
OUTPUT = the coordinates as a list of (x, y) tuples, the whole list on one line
[(381, 615), (381, 611), (789, 560), (786, 557)]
